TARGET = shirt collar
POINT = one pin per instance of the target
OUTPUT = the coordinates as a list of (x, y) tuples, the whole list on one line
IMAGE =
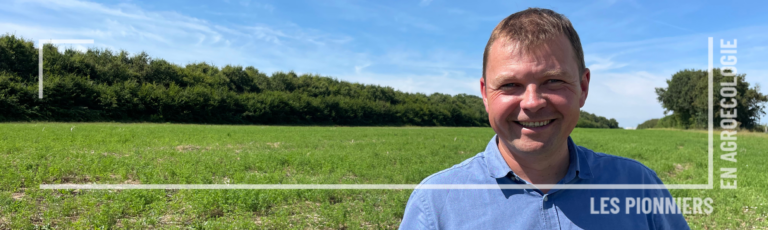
[(498, 168)]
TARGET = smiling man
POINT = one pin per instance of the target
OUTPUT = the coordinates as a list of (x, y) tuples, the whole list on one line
[(534, 84)]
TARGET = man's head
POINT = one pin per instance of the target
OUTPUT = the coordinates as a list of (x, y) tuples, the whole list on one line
[(534, 80)]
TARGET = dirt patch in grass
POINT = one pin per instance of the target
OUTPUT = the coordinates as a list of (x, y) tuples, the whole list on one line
[(169, 219), (115, 155), (17, 196), (131, 181), (678, 169), (75, 179), (4, 223), (186, 148)]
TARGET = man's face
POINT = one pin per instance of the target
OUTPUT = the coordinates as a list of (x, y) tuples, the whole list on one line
[(533, 97)]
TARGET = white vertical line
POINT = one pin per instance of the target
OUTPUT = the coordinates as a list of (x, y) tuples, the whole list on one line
[(40, 70), (40, 61), (710, 119)]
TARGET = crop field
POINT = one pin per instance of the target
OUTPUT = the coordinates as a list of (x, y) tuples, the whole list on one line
[(110, 153)]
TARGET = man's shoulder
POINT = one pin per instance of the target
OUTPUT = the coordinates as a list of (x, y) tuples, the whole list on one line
[(611, 165), (469, 171)]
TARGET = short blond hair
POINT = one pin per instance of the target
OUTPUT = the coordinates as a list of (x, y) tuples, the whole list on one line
[(533, 26)]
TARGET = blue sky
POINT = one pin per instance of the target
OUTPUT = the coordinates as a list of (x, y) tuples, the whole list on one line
[(415, 46)]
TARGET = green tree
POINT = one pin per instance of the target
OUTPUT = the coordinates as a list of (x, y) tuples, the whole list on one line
[(18, 56), (686, 97)]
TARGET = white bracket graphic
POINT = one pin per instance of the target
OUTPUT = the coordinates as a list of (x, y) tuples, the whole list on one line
[(709, 185), (40, 56)]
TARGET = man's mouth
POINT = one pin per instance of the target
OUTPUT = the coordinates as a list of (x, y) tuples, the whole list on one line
[(534, 124)]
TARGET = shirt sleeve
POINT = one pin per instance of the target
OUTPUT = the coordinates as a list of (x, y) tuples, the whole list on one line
[(417, 215)]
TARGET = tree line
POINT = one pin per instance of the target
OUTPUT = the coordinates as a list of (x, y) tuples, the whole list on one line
[(686, 98), (588, 120), (102, 85)]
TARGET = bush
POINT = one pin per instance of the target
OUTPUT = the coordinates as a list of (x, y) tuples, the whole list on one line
[(671, 121), (588, 120), (649, 124)]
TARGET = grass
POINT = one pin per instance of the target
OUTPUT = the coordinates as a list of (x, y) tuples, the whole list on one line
[(44, 153)]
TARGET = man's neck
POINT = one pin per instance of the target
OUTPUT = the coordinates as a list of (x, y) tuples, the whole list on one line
[(546, 168)]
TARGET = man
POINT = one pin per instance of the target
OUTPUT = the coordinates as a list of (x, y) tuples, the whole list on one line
[(534, 84)]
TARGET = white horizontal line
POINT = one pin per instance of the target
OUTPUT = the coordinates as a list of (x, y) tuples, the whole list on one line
[(373, 186), (68, 41)]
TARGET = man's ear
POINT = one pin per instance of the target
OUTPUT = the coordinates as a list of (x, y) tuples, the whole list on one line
[(584, 87), (482, 92)]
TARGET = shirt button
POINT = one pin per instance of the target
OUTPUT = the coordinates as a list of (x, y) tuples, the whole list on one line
[(546, 198)]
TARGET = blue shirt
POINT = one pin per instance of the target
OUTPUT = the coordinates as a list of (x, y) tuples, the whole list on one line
[(530, 209)]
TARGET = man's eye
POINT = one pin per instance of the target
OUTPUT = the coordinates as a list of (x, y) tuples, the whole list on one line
[(555, 81), (509, 85)]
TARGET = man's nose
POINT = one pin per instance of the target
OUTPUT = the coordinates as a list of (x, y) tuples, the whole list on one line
[(532, 100)]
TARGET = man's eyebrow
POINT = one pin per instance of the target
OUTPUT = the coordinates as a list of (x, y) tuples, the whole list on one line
[(555, 72), (548, 73)]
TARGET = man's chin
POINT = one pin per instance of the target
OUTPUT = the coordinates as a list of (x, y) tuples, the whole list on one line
[(529, 146)]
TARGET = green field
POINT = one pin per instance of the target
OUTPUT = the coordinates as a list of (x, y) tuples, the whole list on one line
[(45, 153)]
